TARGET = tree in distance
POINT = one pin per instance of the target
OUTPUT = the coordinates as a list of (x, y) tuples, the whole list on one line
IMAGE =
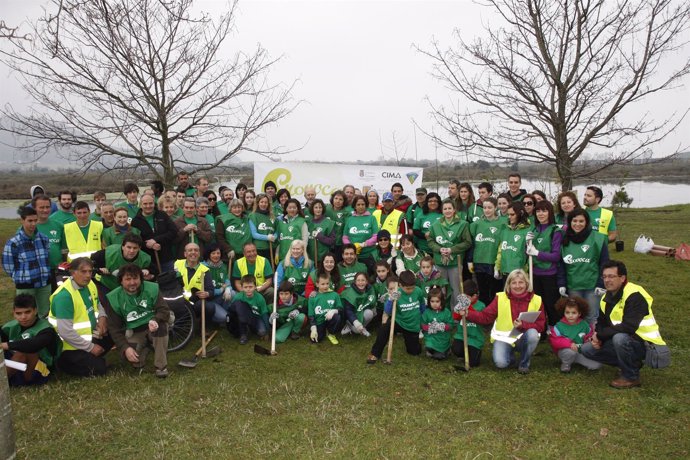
[(560, 77), (132, 84)]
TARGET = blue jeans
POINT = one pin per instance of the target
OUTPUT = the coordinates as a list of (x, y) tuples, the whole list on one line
[(623, 351), (592, 300), (502, 352)]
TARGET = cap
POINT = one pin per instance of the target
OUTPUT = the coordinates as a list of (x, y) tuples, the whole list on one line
[(387, 196), (421, 191), (383, 234)]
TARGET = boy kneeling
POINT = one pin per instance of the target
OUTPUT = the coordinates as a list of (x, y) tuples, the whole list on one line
[(139, 319), (30, 340)]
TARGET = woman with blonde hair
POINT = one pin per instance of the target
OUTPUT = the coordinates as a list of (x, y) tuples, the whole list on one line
[(511, 331), (295, 267)]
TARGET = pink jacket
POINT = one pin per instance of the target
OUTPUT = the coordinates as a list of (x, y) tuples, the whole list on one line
[(558, 342)]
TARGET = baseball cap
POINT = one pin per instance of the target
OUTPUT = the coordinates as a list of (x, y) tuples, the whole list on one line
[(421, 191), (387, 196)]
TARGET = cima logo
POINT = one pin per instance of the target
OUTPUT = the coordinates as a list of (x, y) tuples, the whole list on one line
[(412, 176)]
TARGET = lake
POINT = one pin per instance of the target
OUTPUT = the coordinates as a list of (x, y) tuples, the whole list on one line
[(645, 194)]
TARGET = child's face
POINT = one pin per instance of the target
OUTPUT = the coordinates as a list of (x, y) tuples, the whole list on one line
[(571, 314), (285, 296), (381, 272), (215, 256), (408, 289), (248, 289), (435, 303), (361, 282), (328, 263), (323, 284), (426, 268), (25, 316)]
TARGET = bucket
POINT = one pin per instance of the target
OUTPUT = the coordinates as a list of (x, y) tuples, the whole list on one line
[(620, 245)]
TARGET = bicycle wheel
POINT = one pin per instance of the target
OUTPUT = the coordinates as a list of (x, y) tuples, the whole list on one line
[(182, 328)]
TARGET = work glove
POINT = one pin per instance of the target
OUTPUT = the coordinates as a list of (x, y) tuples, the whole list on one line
[(293, 314), (395, 295), (440, 327), (228, 293), (314, 334), (531, 250), (470, 267), (231, 254), (273, 317), (599, 292), (312, 294), (383, 298), (464, 302), (431, 329), (529, 237), (331, 313), (497, 275), (563, 291), (271, 238), (358, 247)]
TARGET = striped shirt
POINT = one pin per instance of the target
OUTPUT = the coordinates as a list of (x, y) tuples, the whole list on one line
[(25, 259)]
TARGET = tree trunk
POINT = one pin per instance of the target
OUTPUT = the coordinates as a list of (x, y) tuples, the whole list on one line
[(7, 446), (565, 173)]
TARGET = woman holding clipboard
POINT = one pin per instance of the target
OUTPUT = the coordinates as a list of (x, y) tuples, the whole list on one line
[(518, 318)]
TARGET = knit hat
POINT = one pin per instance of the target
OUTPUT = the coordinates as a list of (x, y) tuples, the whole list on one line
[(383, 234)]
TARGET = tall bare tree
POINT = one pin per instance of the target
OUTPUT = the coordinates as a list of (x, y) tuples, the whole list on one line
[(126, 84), (560, 77)]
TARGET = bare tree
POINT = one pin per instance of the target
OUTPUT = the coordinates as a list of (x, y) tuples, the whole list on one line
[(397, 148), (561, 77), (143, 83)]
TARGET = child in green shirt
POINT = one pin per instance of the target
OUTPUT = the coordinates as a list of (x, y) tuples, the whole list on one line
[(437, 322), (248, 311), (325, 311), (290, 315), (475, 332)]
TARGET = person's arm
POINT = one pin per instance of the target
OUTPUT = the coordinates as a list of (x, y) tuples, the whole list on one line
[(168, 233), (255, 234), (43, 339), (204, 232), (554, 255), (280, 273), (603, 258), (220, 237), (65, 327), (98, 259), (161, 311), (10, 261), (486, 316), (181, 234), (636, 308), (464, 242), (305, 234), (116, 329), (538, 325), (435, 247)]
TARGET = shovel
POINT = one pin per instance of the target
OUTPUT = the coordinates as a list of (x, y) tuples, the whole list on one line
[(258, 349), (192, 362)]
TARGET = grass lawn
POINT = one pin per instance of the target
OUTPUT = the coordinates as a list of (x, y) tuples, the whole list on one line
[(324, 400)]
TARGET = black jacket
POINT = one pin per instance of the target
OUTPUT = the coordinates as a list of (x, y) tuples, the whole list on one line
[(164, 232)]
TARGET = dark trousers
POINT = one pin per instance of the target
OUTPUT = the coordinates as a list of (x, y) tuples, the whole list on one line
[(488, 286), (331, 326), (459, 350), (84, 364), (411, 339), (546, 287), (241, 320)]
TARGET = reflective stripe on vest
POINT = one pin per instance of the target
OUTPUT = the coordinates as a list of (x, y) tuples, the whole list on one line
[(81, 322), (605, 221), (77, 246), (259, 266), (648, 329), (196, 281), (391, 223), (504, 319)]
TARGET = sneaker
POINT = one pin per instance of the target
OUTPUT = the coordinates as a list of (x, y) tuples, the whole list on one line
[(429, 354), (371, 359), (523, 370), (294, 336), (244, 339), (332, 338), (346, 330), (365, 333), (162, 373), (622, 383), (439, 356), (565, 368)]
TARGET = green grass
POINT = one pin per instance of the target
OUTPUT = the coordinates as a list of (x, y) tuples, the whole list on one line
[(321, 400)]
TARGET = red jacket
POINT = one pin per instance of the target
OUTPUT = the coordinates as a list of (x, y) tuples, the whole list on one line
[(518, 304)]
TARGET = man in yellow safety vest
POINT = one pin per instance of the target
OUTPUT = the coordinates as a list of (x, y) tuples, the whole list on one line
[(603, 220), (391, 219), (83, 237)]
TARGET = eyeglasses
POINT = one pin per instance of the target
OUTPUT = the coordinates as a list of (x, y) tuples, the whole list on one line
[(211, 199), (384, 239), (528, 203)]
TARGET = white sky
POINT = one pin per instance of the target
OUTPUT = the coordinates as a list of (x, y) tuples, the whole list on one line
[(357, 71)]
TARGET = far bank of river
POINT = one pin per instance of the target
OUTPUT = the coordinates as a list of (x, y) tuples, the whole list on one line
[(645, 194)]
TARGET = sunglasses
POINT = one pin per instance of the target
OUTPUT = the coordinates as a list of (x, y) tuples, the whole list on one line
[(528, 203), (384, 239)]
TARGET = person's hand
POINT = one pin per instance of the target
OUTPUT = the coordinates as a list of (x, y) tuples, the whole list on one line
[(156, 247), (273, 317), (563, 291), (497, 275), (599, 292), (104, 271), (314, 334), (102, 326), (189, 228), (312, 294), (529, 237), (316, 232), (596, 343), (331, 313), (293, 314), (271, 238), (517, 324), (202, 294), (5, 346), (445, 251), (147, 274), (395, 295), (383, 298), (384, 318), (153, 325), (231, 254), (228, 293), (470, 267), (97, 350), (531, 250), (574, 347), (131, 355), (150, 243), (358, 247)]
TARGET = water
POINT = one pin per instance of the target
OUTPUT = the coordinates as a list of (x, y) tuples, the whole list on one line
[(645, 194)]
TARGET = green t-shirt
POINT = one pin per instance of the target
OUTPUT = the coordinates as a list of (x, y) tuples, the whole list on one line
[(56, 236), (338, 217), (485, 234), (575, 332), (325, 227), (111, 235), (135, 310), (595, 217), (321, 303), (582, 261), (475, 333), (256, 302), (440, 341), (63, 217), (360, 301), (423, 223), (63, 308), (132, 209), (347, 273), (513, 244), (359, 229), (408, 309)]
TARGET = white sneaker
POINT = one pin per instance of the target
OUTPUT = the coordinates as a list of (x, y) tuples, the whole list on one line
[(346, 330), (365, 333)]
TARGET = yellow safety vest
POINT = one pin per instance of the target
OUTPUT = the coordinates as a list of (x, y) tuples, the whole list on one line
[(504, 319), (605, 220), (77, 245), (196, 281), (648, 328), (81, 322), (259, 266), (392, 224)]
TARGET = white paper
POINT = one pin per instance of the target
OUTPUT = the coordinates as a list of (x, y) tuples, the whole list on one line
[(15, 365)]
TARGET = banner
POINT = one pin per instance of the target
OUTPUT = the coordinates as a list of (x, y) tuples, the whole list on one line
[(326, 178)]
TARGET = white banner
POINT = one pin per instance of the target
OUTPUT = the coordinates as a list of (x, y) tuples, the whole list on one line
[(326, 178)]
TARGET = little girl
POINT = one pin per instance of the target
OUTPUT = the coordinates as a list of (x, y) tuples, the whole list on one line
[(568, 335), (429, 277), (436, 325), (475, 333), (383, 271)]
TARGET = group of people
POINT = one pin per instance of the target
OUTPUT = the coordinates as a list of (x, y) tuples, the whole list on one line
[(514, 262)]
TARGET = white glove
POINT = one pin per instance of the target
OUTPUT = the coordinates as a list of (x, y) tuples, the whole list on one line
[(316, 232), (395, 295), (383, 298), (440, 327), (470, 267), (231, 254), (293, 314), (273, 317), (271, 238), (432, 328), (563, 292), (529, 237), (331, 313), (115, 273), (599, 292), (228, 293), (314, 334), (312, 294), (531, 250), (497, 275)]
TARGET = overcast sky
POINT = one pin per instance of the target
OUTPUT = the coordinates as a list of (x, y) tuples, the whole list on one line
[(358, 74)]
